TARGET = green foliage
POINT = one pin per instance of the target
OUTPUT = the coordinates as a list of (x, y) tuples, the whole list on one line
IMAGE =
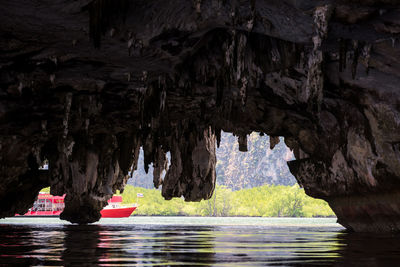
[(266, 201)]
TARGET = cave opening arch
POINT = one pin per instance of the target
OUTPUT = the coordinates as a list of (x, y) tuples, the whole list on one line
[(326, 80)]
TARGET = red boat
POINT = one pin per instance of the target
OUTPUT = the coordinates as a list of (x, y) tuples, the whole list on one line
[(114, 209), (51, 206)]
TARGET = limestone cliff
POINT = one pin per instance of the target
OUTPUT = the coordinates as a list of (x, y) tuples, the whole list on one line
[(85, 83), (235, 169)]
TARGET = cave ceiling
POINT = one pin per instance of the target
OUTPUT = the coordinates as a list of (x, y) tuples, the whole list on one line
[(84, 84)]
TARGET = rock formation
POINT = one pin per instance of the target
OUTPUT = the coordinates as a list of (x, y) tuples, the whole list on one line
[(85, 83), (234, 169)]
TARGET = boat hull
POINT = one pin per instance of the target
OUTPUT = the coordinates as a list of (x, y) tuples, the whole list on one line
[(41, 214), (105, 213)]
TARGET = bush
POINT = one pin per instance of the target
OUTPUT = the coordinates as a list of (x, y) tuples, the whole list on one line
[(265, 201)]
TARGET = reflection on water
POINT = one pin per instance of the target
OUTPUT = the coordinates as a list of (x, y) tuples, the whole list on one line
[(149, 244)]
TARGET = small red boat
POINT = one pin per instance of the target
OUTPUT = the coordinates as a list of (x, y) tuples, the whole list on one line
[(115, 209), (51, 206)]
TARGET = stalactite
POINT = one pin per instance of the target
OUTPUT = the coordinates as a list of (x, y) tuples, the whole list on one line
[(251, 21), (87, 123), (366, 55), (129, 145), (67, 109), (163, 98), (160, 164), (241, 76), (130, 44), (275, 55), (44, 127), (149, 152), (243, 91), (315, 76), (230, 57), (241, 57), (112, 32), (242, 140), (20, 87), (102, 13), (197, 5), (356, 54), (218, 136), (52, 79), (192, 165), (273, 141)]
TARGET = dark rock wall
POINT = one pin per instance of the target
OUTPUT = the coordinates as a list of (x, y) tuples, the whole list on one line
[(85, 83)]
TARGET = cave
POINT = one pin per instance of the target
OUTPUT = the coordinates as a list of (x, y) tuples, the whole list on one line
[(86, 83)]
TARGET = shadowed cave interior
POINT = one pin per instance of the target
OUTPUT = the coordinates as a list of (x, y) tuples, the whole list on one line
[(85, 84)]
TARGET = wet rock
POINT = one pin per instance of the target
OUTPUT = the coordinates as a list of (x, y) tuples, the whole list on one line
[(192, 170), (273, 141)]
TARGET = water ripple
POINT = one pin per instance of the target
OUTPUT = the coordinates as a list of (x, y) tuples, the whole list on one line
[(192, 242)]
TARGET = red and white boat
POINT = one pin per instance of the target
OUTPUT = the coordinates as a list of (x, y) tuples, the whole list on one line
[(51, 206), (115, 209)]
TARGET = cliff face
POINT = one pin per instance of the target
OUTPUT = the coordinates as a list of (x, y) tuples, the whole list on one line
[(238, 170), (85, 83), (257, 167)]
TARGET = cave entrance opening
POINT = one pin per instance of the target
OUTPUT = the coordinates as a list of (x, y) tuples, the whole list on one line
[(237, 170), (258, 183), (253, 183)]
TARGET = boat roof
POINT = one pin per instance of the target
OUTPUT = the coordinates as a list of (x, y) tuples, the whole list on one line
[(116, 199), (49, 196), (41, 195)]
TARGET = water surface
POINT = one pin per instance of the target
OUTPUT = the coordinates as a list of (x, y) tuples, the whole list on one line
[(191, 241)]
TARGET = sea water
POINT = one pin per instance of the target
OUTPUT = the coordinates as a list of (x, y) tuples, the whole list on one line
[(192, 241)]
